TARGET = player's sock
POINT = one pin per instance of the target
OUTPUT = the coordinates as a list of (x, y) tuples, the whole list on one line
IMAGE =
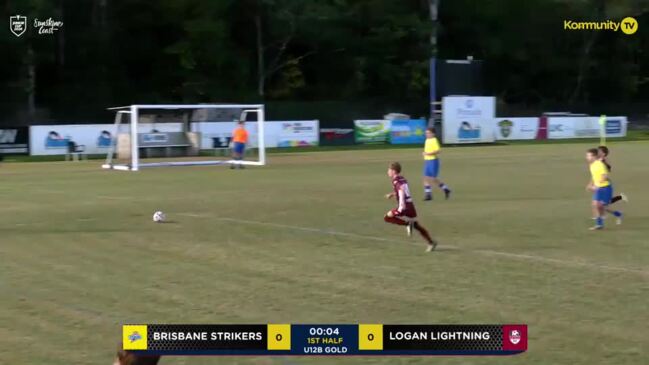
[(428, 192), (409, 228), (423, 232), (617, 215), (447, 191), (395, 220), (616, 198), (238, 165)]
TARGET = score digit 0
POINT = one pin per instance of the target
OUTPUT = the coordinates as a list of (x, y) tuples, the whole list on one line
[(370, 337), (279, 336)]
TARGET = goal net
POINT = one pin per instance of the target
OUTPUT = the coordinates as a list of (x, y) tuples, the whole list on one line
[(184, 135)]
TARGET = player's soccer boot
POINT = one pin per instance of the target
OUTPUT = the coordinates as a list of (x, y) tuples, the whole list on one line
[(624, 197), (409, 228), (431, 246), (447, 193), (618, 220), (596, 227), (428, 197)]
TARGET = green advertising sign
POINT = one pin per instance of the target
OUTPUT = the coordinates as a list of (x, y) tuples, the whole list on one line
[(371, 131)]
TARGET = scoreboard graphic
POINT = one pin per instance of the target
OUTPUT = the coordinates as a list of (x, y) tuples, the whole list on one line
[(325, 339)]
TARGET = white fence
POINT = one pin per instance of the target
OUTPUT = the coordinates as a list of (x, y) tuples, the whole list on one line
[(510, 129), (472, 119), (53, 139), (559, 127), (97, 138), (585, 127), (516, 128), (294, 133)]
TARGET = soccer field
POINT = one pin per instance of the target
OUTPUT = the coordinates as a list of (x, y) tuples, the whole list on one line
[(302, 240)]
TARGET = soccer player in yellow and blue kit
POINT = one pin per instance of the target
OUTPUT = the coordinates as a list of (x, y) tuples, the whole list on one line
[(602, 189), (603, 156), (431, 166)]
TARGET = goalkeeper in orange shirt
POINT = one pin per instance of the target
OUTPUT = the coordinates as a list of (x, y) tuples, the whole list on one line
[(239, 140)]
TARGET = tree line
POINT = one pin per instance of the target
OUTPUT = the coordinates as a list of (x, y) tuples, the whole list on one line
[(115, 52)]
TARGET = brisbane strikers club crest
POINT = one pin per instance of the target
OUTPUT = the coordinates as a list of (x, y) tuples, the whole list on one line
[(514, 337), (18, 25)]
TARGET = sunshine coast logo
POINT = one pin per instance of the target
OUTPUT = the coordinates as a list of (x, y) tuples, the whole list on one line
[(628, 25), (18, 25), (48, 26)]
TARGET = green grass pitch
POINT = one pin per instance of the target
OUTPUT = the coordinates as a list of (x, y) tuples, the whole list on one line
[(302, 241)]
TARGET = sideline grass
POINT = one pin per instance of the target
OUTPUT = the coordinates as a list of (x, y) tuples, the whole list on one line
[(81, 255)]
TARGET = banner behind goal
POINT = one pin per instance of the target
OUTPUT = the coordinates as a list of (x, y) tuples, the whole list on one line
[(183, 135)]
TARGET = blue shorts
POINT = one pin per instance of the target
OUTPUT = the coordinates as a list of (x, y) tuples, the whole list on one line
[(431, 168), (238, 148), (604, 194)]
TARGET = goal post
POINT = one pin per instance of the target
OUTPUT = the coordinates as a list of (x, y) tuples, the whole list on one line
[(133, 146)]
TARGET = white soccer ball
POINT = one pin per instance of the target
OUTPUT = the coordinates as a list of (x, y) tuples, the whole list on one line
[(159, 217)]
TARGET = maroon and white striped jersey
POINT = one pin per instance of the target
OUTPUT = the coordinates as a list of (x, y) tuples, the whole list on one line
[(402, 194)]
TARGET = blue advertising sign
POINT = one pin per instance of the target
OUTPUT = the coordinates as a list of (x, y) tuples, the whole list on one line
[(613, 126), (408, 131)]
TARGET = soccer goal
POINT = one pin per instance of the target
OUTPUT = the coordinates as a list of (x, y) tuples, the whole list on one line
[(183, 135)]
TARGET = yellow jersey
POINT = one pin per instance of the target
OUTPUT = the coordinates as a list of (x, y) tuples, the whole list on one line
[(431, 145), (599, 172)]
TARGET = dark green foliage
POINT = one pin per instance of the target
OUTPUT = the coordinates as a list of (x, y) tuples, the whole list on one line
[(113, 52)]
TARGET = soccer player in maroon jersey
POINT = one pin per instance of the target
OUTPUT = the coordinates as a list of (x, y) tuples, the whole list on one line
[(405, 213)]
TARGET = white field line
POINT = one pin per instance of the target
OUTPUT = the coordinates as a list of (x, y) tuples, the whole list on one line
[(110, 197), (534, 258)]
